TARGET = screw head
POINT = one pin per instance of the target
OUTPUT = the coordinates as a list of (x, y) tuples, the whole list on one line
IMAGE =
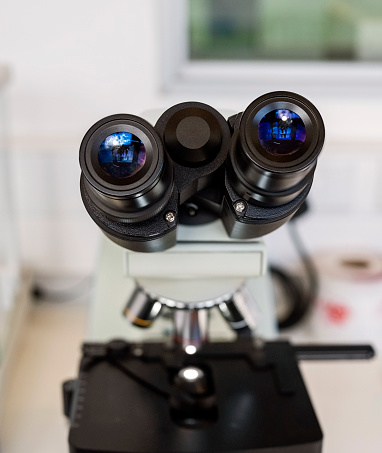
[(239, 206), (170, 217)]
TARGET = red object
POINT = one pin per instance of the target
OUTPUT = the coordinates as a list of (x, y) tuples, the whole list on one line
[(336, 312)]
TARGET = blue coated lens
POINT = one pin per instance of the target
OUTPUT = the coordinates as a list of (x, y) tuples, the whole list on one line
[(281, 132), (121, 155)]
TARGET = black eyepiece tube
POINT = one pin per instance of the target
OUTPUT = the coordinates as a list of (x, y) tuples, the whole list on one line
[(271, 163), (124, 167), (274, 148), (127, 183)]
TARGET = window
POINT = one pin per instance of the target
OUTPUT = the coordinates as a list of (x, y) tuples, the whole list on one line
[(327, 30), (332, 47)]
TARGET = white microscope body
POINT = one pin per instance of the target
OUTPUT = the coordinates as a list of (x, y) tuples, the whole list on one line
[(192, 283)]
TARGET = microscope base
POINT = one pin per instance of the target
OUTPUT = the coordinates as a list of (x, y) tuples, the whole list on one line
[(261, 402)]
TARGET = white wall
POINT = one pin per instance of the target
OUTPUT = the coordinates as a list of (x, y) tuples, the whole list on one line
[(76, 61), (72, 62)]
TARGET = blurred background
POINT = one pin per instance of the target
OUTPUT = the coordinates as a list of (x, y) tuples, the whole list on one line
[(70, 64), (66, 64)]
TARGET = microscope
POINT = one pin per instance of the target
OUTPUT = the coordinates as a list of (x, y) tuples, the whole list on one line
[(188, 201)]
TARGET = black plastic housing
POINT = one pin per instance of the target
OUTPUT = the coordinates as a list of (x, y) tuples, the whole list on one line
[(200, 167), (137, 218), (271, 187), (196, 160)]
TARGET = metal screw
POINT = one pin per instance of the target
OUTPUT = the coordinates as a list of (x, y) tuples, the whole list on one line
[(239, 206), (170, 217)]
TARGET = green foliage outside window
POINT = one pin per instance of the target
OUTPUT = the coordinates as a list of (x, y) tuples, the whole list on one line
[(285, 30)]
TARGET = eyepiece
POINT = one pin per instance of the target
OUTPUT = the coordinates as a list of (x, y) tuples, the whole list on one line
[(126, 173), (275, 148)]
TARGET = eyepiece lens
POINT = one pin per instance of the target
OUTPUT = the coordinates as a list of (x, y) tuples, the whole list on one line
[(121, 155), (281, 132)]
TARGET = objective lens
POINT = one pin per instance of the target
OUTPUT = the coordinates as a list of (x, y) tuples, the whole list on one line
[(121, 155), (281, 132)]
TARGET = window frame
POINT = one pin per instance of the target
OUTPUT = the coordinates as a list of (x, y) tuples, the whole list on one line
[(181, 74)]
